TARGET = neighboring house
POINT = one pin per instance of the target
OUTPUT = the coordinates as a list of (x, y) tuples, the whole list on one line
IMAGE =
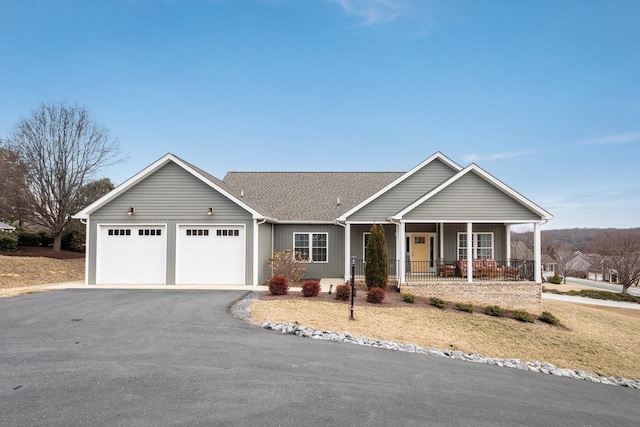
[(578, 264), (548, 267), (173, 223), (6, 227), (599, 269)]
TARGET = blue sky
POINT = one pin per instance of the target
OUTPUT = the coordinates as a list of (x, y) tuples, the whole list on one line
[(544, 95)]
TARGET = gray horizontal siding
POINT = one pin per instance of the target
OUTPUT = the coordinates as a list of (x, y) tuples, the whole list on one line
[(283, 239), (405, 193), (172, 192), (474, 199)]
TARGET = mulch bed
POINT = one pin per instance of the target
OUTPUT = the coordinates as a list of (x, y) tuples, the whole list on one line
[(41, 251), (392, 298)]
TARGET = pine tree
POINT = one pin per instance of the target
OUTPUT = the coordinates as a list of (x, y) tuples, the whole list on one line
[(377, 265)]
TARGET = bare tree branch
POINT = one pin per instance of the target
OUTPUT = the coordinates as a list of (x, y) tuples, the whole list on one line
[(62, 149)]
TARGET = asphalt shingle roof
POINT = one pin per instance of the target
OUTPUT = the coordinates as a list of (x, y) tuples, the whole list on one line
[(307, 196)]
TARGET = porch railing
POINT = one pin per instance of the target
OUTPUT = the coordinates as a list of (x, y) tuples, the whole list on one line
[(455, 271)]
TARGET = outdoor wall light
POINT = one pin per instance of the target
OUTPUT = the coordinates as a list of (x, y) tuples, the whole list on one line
[(131, 211), (210, 211)]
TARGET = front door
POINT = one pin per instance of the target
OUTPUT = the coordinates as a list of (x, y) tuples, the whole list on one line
[(420, 259)]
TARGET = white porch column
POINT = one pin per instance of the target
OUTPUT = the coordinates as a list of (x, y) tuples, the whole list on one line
[(507, 230), (470, 252), (347, 252), (402, 251), (441, 240), (255, 253), (537, 252)]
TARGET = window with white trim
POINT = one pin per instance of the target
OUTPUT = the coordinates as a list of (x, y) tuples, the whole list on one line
[(365, 242), (312, 246), (482, 245)]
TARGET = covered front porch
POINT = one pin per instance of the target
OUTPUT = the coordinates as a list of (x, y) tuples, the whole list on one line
[(443, 252)]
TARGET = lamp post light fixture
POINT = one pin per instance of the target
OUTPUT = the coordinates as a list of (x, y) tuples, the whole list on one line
[(353, 283)]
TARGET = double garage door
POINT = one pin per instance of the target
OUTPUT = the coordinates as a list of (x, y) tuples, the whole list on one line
[(204, 254)]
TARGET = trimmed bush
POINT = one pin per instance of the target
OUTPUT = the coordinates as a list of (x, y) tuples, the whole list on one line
[(437, 302), (376, 269), (343, 292), (311, 288), (376, 295), (410, 298), (278, 285), (523, 316), (556, 280), (73, 241), (463, 306), (494, 310), (549, 318), (8, 242), (29, 239)]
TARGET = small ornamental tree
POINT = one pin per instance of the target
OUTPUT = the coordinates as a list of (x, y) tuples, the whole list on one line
[(377, 263), (288, 263)]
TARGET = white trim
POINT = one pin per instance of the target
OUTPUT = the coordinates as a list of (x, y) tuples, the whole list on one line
[(209, 224), (474, 243), (403, 253), (387, 222), (438, 155), (465, 220), (254, 267), (507, 230), (537, 253), (347, 251), (364, 244), (469, 252), (149, 170), (87, 258), (310, 254), (544, 215)]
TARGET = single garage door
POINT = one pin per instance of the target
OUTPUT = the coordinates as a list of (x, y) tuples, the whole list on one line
[(210, 255), (131, 255)]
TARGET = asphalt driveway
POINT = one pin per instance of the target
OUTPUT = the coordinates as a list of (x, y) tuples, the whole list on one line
[(144, 357)]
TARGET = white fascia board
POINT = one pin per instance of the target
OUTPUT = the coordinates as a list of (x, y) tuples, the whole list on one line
[(544, 215), (84, 214), (438, 155), (475, 221), (306, 222), (370, 222)]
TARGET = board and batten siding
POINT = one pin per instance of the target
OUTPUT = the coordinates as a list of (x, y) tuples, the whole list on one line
[(405, 193), (450, 239), (283, 240), (357, 240), (471, 198), (171, 196), (265, 251)]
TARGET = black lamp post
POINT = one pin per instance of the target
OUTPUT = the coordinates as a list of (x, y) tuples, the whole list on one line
[(353, 283)]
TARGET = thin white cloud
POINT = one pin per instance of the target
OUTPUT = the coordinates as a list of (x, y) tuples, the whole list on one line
[(473, 157), (614, 139), (372, 11)]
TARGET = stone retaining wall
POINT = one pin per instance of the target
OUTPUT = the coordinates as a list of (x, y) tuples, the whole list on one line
[(509, 295)]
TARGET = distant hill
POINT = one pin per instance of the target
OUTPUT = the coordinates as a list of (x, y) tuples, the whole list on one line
[(578, 238)]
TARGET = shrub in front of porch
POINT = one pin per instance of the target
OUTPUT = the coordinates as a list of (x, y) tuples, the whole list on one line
[(377, 262), (343, 292), (438, 302), (311, 288), (376, 295), (278, 285)]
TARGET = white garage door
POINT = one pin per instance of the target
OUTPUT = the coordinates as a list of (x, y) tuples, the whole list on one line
[(131, 255), (210, 255)]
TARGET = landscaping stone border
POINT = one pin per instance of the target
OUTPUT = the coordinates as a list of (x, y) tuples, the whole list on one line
[(239, 310)]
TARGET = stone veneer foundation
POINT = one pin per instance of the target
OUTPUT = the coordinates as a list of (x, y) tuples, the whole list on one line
[(508, 295)]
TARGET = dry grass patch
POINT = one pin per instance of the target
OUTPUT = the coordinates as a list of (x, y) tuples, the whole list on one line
[(595, 339), (23, 274)]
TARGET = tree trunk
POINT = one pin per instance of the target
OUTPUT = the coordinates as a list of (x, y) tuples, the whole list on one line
[(57, 242), (625, 288)]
